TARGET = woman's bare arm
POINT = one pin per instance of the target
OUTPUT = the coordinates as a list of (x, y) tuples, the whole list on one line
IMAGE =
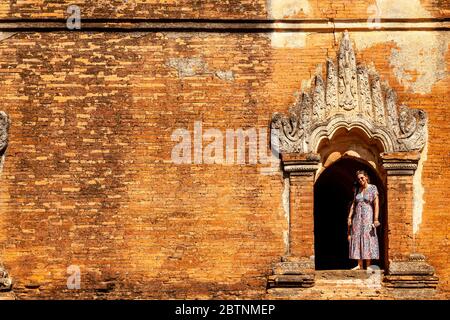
[(350, 213), (376, 208)]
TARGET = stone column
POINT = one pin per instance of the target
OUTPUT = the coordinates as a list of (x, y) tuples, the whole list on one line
[(407, 268), (400, 168), (301, 169), (297, 269)]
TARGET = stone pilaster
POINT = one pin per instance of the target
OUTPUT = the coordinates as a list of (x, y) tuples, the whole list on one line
[(407, 269), (400, 168), (297, 269), (413, 273)]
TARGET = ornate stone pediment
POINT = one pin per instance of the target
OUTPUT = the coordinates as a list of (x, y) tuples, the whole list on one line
[(350, 97)]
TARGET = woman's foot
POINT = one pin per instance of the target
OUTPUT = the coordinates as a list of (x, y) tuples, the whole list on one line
[(356, 268)]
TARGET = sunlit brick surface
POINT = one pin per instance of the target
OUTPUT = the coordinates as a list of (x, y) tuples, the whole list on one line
[(88, 178)]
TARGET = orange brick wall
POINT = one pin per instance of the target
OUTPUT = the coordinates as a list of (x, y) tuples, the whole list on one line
[(302, 222), (222, 9), (88, 179), (400, 219)]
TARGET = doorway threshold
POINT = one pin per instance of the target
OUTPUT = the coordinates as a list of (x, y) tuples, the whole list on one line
[(347, 274)]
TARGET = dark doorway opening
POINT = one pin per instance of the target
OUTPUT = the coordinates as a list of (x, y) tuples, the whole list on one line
[(332, 197)]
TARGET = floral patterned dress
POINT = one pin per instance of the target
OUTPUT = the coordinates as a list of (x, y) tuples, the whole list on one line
[(364, 241)]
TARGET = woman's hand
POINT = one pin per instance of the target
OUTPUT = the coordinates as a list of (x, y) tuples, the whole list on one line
[(349, 237), (376, 223)]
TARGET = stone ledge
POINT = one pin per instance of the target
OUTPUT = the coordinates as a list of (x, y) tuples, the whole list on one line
[(299, 158), (431, 283), (293, 265), (291, 281), (413, 273), (408, 156), (287, 268), (345, 274), (7, 296), (292, 272), (311, 25), (410, 268)]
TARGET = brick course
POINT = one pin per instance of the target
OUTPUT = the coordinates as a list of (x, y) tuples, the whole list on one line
[(214, 9)]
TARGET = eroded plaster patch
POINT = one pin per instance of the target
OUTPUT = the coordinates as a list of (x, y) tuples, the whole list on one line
[(188, 67), (418, 190), (401, 9), (288, 39), (6, 35), (286, 242), (197, 66), (418, 58), (225, 75), (280, 9)]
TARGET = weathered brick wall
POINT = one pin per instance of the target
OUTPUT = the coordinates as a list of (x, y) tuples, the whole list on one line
[(88, 178), (228, 9), (400, 219)]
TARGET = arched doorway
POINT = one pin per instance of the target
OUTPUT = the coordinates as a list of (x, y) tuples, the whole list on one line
[(347, 121), (332, 196)]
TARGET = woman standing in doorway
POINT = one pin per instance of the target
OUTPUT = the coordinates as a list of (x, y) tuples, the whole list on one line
[(363, 221)]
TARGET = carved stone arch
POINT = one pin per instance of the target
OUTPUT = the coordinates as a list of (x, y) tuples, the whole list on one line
[(351, 97), (328, 131), (352, 143)]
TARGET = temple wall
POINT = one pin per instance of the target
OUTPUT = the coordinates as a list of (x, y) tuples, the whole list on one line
[(89, 178)]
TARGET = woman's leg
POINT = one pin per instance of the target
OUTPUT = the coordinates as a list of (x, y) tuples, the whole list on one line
[(368, 262), (359, 266)]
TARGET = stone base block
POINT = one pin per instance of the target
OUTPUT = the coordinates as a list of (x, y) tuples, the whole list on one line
[(405, 281), (292, 272), (413, 273)]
